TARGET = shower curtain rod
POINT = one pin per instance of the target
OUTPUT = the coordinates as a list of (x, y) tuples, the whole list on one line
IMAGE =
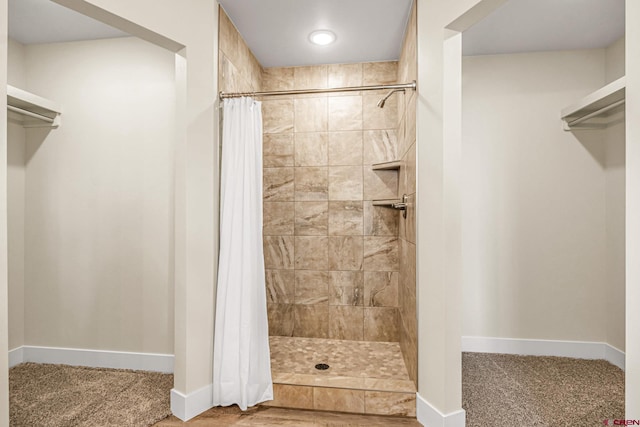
[(400, 86)]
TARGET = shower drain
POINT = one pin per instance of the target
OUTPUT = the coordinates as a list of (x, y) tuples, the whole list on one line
[(322, 366)]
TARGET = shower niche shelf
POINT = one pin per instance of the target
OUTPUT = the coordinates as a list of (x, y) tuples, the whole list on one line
[(597, 110), (32, 110), (387, 203), (387, 166)]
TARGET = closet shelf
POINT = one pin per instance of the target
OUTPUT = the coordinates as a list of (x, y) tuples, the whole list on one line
[(392, 165), (35, 110), (600, 108)]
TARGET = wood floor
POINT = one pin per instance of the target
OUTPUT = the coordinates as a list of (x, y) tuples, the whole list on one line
[(266, 417)]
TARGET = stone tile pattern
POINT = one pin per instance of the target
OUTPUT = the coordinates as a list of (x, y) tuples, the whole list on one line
[(364, 377), (332, 258), (406, 131), (239, 70)]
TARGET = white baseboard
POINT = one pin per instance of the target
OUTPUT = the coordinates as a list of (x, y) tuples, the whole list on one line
[(16, 356), (576, 349), (188, 406), (93, 358), (429, 416)]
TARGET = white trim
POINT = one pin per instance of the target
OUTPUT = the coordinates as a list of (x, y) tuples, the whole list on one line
[(430, 416), (615, 356), (576, 349), (93, 358), (188, 406), (16, 356)]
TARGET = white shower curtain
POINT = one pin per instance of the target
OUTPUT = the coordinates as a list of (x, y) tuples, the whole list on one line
[(241, 360)]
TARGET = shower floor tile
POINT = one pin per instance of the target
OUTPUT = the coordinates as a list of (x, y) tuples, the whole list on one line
[(363, 377)]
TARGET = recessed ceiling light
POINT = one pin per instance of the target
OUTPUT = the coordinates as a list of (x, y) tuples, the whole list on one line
[(322, 37)]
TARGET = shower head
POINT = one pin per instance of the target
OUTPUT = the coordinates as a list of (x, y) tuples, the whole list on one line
[(383, 100)]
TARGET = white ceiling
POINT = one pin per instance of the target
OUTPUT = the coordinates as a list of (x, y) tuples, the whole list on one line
[(43, 21), (368, 30), (277, 31), (542, 25)]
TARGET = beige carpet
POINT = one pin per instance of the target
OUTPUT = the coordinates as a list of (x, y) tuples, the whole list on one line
[(66, 396), (500, 389)]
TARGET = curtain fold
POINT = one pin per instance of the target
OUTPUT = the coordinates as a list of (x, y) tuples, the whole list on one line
[(241, 359)]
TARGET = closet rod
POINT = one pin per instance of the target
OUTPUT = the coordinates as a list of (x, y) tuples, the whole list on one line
[(30, 114), (400, 86), (595, 113)]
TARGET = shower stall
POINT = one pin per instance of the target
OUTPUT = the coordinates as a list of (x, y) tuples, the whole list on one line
[(339, 237)]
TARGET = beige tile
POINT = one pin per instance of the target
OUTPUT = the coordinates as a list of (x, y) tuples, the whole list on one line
[(278, 218), (346, 288), (335, 399), (380, 220), (346, 322), (277, 78), (312, 287), (345, 75), (310, 114), (291, 396), (378, 384), (381, 324), (362, 359), (311, 253), (400, 137), (380, 253), (281, 319), (379, 146), (345, 148), (381, 288), (277, 115), (279, 252), (226, 74), (374, 117), (311, 218), (311, 321), (345, 183), (278, 184), (386, 403), (380, 184), (228, 34), (410, 114), (311, 149), (380, 73), (311, 183), (409, 172), (280, 286), (312, 77), (345, 218), (277, 150), (345, 253), (345, 113), (409, 224)]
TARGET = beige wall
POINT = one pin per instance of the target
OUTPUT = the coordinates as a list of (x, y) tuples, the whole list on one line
[(4, 327), (99, 198), (193, 32), (16, 157), (407, 72), (615, 60), (614, 139), (331, 257), (534, 218)]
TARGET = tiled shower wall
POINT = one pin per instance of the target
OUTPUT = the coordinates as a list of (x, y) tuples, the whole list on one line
[(331, 256), (335, 265), (238, 69), (407, 72)]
